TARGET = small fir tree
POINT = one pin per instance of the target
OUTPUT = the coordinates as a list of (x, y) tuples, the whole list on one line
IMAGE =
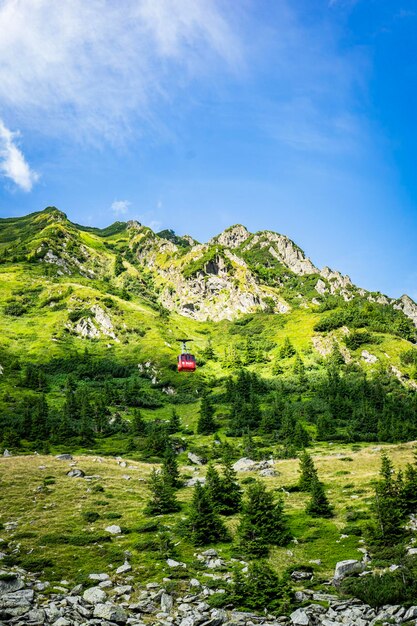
[(308, 472), (138, 424), (206, 424), (204, 525), (287, 350), (230, 500), (319, 506), (170, 468), (163, 498), (118, 265), (174, 424), (213, 485), (262, 522)]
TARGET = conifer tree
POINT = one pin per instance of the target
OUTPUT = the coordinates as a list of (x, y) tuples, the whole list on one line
[(203, 524), (319, 505), (170, 468), (163, 498), (118, 265), (230, 500), (387, 507), (39, 423), (308, 472), (213, 485), (174, 424), (138, 424), (250, 352), (206, 424), (287, 349), (262, 522)]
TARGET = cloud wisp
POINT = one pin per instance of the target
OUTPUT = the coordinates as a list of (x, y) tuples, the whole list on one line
[(95, 67), (120, 207), (13, 164)]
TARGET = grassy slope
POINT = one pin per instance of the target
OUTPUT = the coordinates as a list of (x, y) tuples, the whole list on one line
[(53, 513)]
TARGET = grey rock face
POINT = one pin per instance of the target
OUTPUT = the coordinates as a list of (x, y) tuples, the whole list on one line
[(344, 568)]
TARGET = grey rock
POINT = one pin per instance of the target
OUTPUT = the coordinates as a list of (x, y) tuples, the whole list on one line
[(194, 458), (62, 621), (64, 457), (99, 577), (111, 613), (126, 567), (113, 529), (10, 583), (7, 453), (300, 618), (411, 613), (167, 602), (94, 595), (76, 473), (210, 552), (345, 568), (173, 563)]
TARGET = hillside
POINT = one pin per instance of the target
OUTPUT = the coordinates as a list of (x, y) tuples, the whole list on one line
[(289, 358)]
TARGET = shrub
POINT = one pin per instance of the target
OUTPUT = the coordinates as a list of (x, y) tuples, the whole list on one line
[(399, 587), (90, 516)]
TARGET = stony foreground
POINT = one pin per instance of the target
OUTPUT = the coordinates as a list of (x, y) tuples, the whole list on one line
[(25, 601)]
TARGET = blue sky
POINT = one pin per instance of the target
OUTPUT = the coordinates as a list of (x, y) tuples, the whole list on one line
[(295, 116)]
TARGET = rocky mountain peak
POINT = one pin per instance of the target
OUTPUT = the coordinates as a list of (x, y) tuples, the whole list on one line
[(134, 225), (232, 237)]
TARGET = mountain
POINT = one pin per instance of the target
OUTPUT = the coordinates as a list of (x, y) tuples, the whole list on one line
[(289, 357), (137, 290)]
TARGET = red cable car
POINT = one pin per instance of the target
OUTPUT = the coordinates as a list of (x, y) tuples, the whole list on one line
[(186, 361)]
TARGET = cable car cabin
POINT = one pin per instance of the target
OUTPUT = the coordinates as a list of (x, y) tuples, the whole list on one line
[(186, 363)]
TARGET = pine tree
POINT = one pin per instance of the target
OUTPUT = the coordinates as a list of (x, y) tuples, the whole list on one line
[(287, 349), (204, 525), (163, 498), (230, 500), (308, 472), (86, 431), (170, 468), (213, 485), (118, 265), (250, 352), (206, 424), (319, 505), (39, 425), (388, 507), (174, 424), (208, 352), (262, 522), (138, 424)]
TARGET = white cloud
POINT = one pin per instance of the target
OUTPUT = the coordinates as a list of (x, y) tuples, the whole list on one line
[(13, 164), (90, 69), (120, 207)]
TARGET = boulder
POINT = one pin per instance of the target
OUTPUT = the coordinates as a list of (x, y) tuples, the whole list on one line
[(113, 529), (245, 465), (167, 602), (194, 458), (99, 577), (345, 568), (126, 567), (173, 563), (64, 457), (76, 473), (7, 453), (110, 612), (300, 618), (94, 595), (10, 583)]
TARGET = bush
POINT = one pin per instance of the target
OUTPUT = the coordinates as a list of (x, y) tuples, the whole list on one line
[(399, 587), (90, 516)]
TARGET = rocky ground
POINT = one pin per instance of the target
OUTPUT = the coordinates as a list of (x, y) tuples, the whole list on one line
[(25, 600)]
